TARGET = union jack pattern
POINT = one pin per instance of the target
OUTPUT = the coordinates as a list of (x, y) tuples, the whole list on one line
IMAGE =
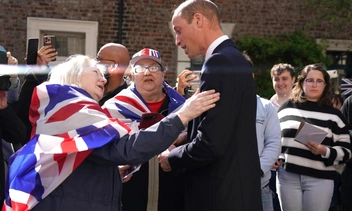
[(346, 86), (67, 125), (128, 105), (146, 53)]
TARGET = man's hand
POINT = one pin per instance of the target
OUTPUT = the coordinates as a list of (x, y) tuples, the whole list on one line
[(164, 159), (183, 81), (277, 164), (123, 172)]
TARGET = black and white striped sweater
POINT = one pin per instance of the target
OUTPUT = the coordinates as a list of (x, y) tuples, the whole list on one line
[(298, 158)]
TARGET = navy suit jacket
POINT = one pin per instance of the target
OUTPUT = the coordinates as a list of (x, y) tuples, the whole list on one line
[(221, 159)]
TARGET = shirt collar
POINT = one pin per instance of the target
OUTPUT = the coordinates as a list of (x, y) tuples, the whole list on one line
[(214, 45)]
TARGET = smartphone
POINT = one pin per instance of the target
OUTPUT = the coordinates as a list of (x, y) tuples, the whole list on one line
[(195, 73), (32, 51), (132, 170), (50, 40), (149, 119)]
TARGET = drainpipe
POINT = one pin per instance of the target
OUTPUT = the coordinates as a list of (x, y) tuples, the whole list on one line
[(121, 10)]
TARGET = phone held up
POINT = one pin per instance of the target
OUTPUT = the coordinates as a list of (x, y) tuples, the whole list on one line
[(50, 40), (195, 82), (32, 51)]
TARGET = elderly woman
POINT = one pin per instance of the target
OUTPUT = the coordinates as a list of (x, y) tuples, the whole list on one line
[(306, 178), (71, 161), (150, 188)]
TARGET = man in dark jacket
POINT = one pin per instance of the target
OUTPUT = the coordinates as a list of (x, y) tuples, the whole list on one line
[(221, 158)]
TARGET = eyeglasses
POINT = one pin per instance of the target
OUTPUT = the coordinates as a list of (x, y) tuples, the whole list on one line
[(142, 69), (310, 82), (100, 59)]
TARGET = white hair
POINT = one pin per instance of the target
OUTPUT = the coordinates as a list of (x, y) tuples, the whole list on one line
[(70, 71)]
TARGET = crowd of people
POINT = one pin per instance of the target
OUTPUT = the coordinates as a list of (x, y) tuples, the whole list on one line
[(85, 138)]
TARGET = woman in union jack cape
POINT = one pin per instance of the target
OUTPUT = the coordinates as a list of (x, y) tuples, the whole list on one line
[(71, 161)]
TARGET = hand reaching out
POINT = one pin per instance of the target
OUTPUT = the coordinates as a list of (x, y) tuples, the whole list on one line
[(197, 104)]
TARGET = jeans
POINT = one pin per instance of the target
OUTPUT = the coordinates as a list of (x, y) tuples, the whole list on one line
[(267, 199), (303, 193)]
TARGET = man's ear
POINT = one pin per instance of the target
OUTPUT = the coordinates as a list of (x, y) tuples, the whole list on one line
[(198, 19)]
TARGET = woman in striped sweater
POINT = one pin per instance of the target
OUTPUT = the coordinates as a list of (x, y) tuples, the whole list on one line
[(306, 178)]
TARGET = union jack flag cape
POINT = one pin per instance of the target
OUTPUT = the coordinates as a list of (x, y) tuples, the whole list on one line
[(128, 105), (67, 125)]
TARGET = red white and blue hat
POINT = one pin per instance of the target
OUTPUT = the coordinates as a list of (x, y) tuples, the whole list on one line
[(146, 53)]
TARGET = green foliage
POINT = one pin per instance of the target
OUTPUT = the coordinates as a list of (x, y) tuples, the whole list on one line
[(263, 82), (296, 49), (337, 12)]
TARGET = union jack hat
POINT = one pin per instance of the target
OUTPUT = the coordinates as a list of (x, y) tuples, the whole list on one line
[(146, 53)]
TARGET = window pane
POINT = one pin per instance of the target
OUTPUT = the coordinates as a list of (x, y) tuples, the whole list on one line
[(67, 43)]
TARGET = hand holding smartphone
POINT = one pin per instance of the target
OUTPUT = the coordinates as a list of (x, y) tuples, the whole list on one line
[(132, 170), (50, 40)]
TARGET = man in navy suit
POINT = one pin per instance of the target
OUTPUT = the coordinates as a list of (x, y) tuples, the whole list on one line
[(221, 158)]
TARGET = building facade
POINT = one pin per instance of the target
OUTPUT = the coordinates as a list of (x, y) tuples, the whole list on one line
[(83, 26)]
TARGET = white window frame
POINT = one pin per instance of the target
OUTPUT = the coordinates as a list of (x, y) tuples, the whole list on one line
[(335, 44), (90, 28)]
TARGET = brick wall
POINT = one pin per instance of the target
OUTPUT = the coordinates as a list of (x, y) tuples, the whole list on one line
[(146, 22)]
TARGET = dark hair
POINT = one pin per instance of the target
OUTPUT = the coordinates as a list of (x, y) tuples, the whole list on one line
[(280, 68), (298, 95)]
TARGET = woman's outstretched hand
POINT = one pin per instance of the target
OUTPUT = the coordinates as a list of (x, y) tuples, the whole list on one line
[(197, 104)]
